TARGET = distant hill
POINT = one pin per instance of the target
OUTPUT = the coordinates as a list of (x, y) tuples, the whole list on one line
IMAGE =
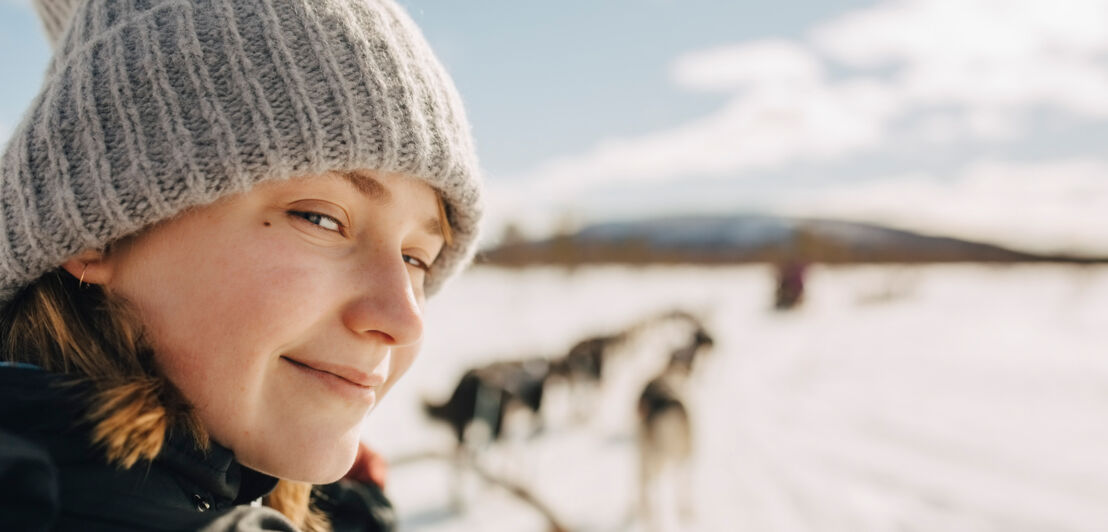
[(749, 238)]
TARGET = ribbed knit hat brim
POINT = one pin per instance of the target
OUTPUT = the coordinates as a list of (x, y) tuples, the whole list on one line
[(151, 107)]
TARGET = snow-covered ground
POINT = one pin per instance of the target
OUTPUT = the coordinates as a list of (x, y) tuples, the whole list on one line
[(941, 398)]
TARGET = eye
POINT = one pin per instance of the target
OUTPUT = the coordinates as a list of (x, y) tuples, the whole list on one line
[(418, 263), (322, 220)]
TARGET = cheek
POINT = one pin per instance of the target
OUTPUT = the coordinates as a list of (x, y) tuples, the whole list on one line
[(218, 302), (218, 321)]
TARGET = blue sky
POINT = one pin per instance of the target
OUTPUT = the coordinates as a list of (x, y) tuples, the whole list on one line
[(978, 118)]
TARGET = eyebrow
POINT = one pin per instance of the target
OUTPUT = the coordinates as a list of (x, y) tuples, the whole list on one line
[(375, 191), (368, 186)]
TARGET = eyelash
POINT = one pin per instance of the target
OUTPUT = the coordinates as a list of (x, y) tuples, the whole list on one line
[(315, 218), (417, 263)]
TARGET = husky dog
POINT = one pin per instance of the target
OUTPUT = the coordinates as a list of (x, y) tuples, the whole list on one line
[(683, 358), (583, 370), (584, 365), (665, 449), (488, 393), (479, 409), (585, 359), (665, 433)]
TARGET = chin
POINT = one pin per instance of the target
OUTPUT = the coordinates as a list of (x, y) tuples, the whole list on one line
[(325, 475), (314, 464)]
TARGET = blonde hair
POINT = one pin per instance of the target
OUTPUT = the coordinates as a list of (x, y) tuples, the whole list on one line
[(444, 222), (70, 328)]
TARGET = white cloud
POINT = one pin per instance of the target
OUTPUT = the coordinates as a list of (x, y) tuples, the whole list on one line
[(741, 66), (1006, 54), (5, 133), (965, 31), (786, 112), (1050, 206), (965, 70), (933, 73)]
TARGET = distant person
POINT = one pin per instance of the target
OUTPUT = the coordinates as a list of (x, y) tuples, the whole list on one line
[(790, 284), (219, 222)]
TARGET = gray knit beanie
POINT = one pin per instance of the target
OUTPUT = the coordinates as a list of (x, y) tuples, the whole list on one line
[(152, 106)]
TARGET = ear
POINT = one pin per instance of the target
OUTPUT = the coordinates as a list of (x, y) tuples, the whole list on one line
[(89, 266)]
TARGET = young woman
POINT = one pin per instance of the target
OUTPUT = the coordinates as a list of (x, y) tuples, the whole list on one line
[(219, 223)]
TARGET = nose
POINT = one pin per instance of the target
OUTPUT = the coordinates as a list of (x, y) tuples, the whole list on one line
[(385, 303)]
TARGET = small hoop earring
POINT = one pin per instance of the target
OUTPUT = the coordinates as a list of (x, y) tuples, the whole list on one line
[(81, 280)]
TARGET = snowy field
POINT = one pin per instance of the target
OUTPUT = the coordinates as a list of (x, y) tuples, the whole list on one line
[(941, 398)]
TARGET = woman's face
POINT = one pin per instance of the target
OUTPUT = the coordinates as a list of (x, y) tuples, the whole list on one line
[(284, 314)]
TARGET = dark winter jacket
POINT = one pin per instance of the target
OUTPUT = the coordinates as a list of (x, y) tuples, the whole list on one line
[(51, 478)]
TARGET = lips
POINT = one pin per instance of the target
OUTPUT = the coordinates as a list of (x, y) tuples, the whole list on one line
[(345, 374), (353, 375)]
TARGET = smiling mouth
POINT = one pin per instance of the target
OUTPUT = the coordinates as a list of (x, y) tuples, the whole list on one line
[(347, 375)]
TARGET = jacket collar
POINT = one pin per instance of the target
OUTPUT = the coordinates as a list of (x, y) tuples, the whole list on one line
[(42, 406)]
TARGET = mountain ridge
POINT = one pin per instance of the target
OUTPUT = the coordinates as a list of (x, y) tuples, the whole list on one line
[(742, 238)]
